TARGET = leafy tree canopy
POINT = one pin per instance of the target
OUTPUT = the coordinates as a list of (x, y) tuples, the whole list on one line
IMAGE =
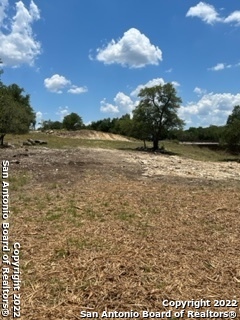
[(72, 122), (51, 125), (235, 115), (16, 113), (157, 112), (232, 132)]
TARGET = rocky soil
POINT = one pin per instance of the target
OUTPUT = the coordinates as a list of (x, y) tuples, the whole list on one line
[(48, 162), (155, 165)]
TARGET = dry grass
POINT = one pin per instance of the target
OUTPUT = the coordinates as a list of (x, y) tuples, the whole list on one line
[(76, 139), (84, 138), (99, 237)]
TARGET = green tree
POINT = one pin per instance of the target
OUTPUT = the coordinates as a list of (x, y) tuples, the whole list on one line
[(16, 113), (51, 125), (232, 131), (140, 130), (56, 125), (122, 125), (72, 122), (157, 112), (45, 124), (104, 125), (234, 116), (125, 124), (1, 70)]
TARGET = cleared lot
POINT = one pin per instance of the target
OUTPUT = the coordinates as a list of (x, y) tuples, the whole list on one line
[(98, 233)]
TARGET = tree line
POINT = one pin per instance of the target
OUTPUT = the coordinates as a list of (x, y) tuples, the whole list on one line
[(155, 118)]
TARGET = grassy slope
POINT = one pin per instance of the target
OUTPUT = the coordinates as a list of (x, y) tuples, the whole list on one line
[(188, 151)]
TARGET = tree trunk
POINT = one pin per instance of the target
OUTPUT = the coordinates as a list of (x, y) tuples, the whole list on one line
[(155, 144), (1, 139), (144, 143)]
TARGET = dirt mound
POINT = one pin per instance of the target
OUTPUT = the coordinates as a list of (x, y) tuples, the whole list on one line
[(90, 134)]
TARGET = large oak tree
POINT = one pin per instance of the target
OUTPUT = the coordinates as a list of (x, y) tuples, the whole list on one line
[(156, 112)]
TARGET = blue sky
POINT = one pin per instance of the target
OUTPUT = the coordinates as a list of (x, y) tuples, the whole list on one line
[(93, 56)]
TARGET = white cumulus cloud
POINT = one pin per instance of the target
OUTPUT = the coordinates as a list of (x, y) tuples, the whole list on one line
[(34, 11), (77, 90), (62, 112), (222, 66), (39, 114), (219, 66), (133, 50), (17, 41), (199, 91), (204, 11), (3, 15), (207, 13), (122, 104), (39, 118), (175, 84), (234, 17), (56, 83), (211, 108), (126, 104), (108, 107), (151, 83)]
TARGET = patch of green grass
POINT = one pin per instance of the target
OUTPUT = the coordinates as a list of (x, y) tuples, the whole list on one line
[(73, 212), (196, 152), (90, 213), (125, 215), (18, 181), (72, 208), (58, 209), (14, 209), (54, 185), (22, 197), (59, 142), (52, 216), (106, 204), (48, 197), (80, 244), (40, 204)]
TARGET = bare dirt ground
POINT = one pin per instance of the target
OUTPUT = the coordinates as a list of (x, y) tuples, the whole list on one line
[(89, 134), (122, 230)]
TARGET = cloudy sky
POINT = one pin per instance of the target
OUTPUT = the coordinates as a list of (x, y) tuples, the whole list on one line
[(93, 56)]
